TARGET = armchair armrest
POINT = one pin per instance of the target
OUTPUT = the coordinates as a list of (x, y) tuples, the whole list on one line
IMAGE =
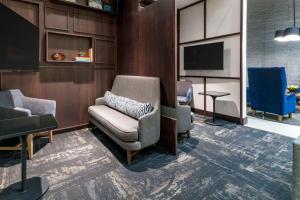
[(100, 101), (39, 106), (27, 112), (291, 95), (296, 168), (149, 128)]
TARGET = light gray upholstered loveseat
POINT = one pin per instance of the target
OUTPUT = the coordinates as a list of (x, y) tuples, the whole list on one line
[(131, 134)]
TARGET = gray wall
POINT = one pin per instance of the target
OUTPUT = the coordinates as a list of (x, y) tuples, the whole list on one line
[(264, 18)]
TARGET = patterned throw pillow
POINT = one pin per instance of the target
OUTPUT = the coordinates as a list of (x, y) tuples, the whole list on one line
[(127, 106)]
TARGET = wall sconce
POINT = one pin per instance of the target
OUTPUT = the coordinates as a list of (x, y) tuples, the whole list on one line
[(144, 3)]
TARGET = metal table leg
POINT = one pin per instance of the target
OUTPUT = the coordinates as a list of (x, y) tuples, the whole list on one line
[(214, 121), (28, 189)]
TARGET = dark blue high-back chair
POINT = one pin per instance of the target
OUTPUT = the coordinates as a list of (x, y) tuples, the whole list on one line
[(267, 91)]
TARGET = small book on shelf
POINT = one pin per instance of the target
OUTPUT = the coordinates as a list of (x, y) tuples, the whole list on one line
[(91, 54)]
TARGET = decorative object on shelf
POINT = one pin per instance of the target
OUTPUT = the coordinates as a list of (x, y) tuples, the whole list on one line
[(107, 5), (293, 88), (58, 56), (82, 54), (85, 56), (144, 3), (95, 4), (290, 34)]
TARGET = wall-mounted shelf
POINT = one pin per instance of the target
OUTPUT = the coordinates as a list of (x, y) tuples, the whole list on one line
[(70, 45), (83, 4)]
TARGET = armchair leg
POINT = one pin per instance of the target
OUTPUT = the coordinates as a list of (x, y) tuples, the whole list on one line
[(290, 115), (50, 136), (280, 117), (254, 112), (188, 134), (30, 146)]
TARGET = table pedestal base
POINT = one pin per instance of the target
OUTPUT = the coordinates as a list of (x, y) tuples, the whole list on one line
[(214, 122), (35, 188)]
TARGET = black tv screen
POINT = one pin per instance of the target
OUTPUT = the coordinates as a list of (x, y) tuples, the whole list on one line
[(204, 57), (19, 42)]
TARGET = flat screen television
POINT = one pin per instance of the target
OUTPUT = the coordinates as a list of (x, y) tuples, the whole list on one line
[(19, 42), (204, 57)]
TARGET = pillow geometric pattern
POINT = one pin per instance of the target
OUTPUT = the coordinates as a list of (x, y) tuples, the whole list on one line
[(127, 106)]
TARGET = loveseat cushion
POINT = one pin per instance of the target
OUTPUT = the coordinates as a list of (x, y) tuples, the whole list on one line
[(127, 106), (121, 125)]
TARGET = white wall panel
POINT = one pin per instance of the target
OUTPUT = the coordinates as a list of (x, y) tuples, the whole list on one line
[(229, 105), (223, 17), (192, 23), (182, 3)]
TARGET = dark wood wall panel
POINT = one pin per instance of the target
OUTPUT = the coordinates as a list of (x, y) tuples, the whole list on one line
[(146, 47), (106, 49), (96, 24), (168, 134), (128, 38), (147, 43), (28, 82), (104, 80), (56, 18), (74, 86)]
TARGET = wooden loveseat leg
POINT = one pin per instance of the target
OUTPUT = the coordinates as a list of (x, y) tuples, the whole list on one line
[(30, 146), (129, 157), (50, 136), (280, 117), (290, 115)]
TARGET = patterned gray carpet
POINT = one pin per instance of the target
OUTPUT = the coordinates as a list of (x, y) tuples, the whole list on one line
[(231, 162)]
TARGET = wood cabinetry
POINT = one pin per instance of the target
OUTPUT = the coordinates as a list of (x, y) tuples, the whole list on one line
[(70, 45), (84, 4), (68, 29), (56, 18)]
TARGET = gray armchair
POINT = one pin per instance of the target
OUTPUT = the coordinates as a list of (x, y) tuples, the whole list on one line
[(184, 119), (31, 106), (296, 169), (184, 92)]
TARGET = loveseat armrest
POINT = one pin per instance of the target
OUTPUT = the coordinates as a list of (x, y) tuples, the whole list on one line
[(296, 168), (149, 128), (100, 101), (39, 106)]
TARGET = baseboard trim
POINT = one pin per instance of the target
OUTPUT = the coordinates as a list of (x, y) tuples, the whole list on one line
[(71, 128), (236, 120)]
